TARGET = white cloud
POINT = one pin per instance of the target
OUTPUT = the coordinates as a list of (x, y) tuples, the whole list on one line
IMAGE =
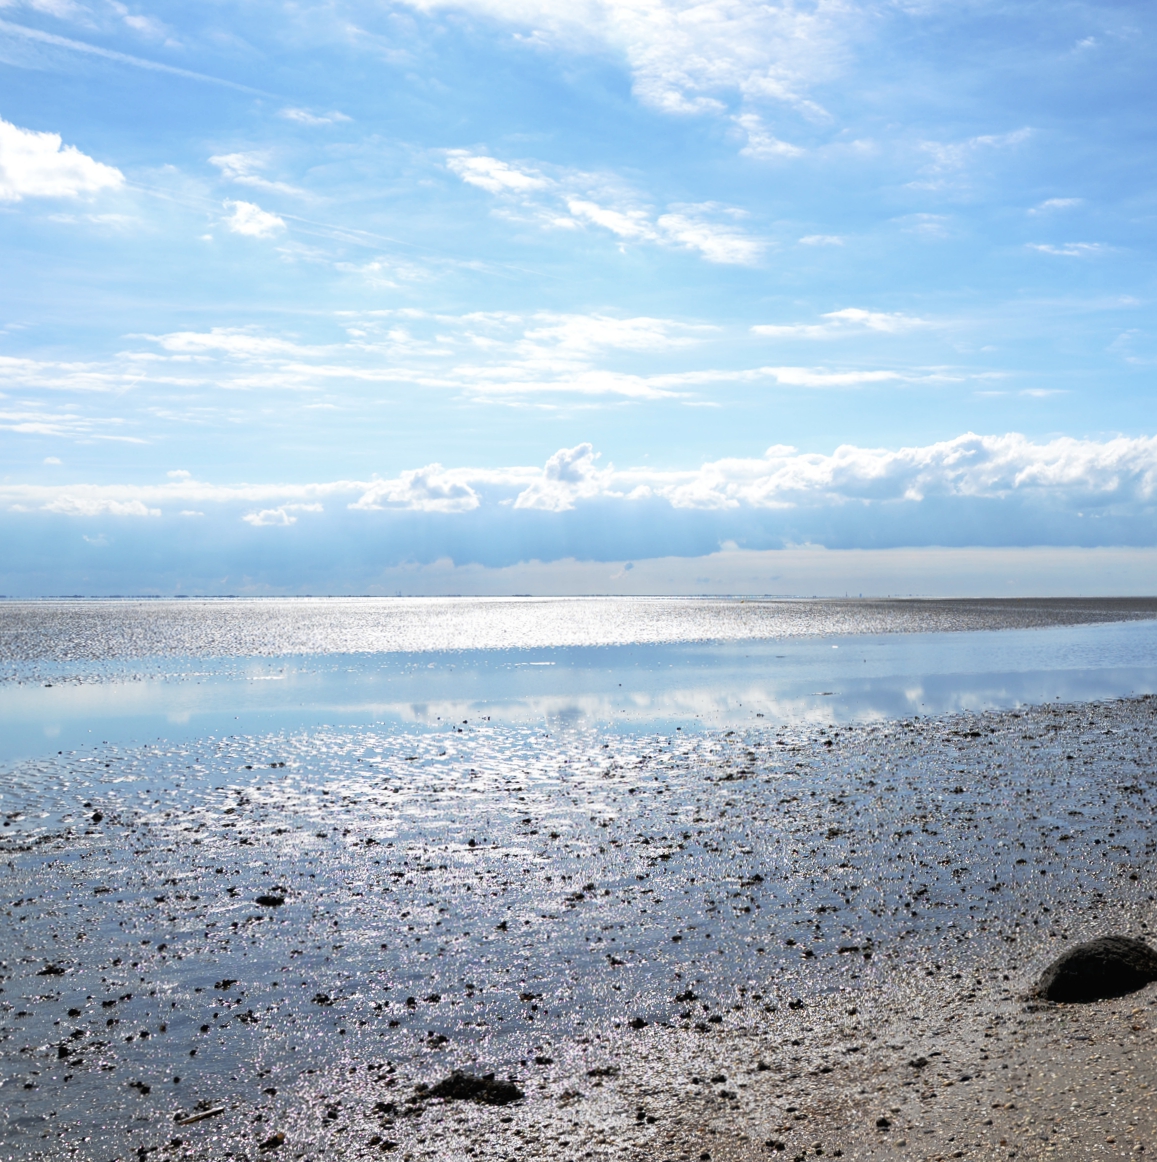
[(1064, 471), (492, 175), (281, 516), (569, 475), (717, 242), (305, 117), (235, 341), (88, 505), (251, 220), (39, 165), (428, 489), (52, 460), (821, 377), (821, 240), (761, 143), (572, 199)]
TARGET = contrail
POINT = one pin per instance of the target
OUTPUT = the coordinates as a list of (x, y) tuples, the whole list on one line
[(122, 57)]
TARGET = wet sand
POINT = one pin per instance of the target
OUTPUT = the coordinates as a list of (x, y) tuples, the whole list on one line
[(90, 638), (755, 944)]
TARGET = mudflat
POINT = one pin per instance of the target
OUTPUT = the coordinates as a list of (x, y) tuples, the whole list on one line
[(771, 943)]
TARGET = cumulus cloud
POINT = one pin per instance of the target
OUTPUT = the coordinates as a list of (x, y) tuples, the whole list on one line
[(39, 165), (251, 220), (1059, 473), (568, 476), (571, 199), (428, 489), (281, 516)]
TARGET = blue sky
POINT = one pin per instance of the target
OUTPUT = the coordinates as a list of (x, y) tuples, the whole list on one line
[(294, 295)]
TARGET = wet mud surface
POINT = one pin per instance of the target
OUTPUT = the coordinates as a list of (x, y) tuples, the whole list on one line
[(94, 639), (775, 943)]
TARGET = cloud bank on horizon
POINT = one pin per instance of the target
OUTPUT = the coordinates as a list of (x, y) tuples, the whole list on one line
[(498, 281)]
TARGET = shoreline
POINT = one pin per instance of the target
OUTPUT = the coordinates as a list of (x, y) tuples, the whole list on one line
[(806, 873)]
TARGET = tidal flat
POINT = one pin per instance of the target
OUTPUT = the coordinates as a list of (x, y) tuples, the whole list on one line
[(774, 942)]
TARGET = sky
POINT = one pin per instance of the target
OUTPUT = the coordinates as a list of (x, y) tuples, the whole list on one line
[(395, 296)]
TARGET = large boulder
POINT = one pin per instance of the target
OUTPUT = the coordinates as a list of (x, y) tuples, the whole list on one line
[(1109, 966)]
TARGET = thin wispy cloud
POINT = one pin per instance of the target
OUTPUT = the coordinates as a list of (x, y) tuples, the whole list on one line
[(1052, 204), (305, 117), (846, 322), (1069, 249), (50, 38), (692, 58), (245, 170), (569, 199)]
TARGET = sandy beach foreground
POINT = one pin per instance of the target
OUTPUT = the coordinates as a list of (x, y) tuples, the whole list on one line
[(778, 943)]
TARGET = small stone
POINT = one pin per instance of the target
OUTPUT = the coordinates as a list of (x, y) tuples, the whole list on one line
[(486, 1090)]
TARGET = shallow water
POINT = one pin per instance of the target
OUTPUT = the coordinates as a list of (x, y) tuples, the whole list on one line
[(624, 688)]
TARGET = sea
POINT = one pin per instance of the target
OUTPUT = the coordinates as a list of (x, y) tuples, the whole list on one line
[(131, 672)]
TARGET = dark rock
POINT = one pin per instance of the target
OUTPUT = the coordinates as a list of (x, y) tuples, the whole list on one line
[(51, 970), (270, 901), (1109, 966), (637, 1023), (883, 1124), (274, 1141), (486, 1090)]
